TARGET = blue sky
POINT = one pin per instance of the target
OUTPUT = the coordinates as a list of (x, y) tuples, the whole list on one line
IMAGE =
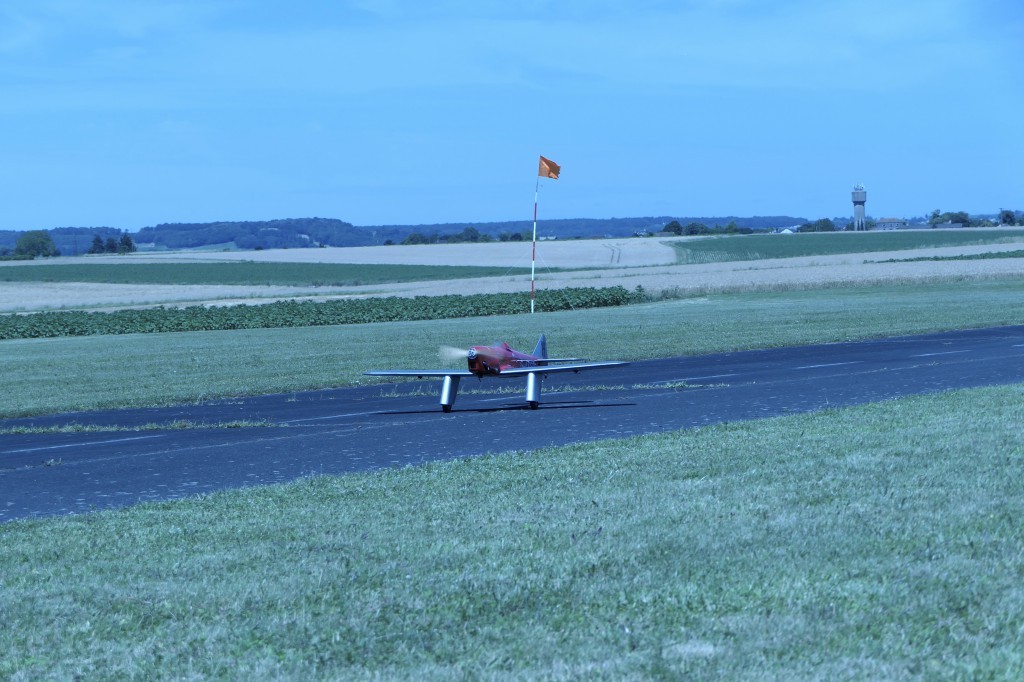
[(127, 113)]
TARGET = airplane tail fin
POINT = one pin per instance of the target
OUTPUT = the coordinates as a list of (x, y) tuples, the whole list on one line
[(541, 351)]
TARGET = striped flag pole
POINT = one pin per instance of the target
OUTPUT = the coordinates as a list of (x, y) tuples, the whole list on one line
[(533, 261), (547, 169)]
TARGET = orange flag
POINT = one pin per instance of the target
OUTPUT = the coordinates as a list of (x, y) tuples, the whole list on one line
[(548, 169)]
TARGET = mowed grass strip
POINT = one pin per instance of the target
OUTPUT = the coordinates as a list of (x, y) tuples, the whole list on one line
[(973, 256), (247, 273), (136, 370), (877, 542), (763, 246)]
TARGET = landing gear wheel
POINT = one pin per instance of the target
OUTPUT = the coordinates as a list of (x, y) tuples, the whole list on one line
[(534, 404), (446, 408)]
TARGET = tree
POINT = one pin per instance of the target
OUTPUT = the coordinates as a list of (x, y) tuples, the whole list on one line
[(937, 218), (1007, 217), (415, 238), (470, 234), (959, 217), (110, 246), (126, 245), (36, 243), (674, 227), (97, 245), (822, 225), (696, 228)]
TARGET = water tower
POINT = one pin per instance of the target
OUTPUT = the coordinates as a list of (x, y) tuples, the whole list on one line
[(860, 197)]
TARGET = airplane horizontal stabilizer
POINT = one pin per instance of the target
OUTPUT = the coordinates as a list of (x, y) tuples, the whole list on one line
[(555, 369)]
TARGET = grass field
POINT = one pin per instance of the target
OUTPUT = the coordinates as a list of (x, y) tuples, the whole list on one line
[(758, 247), (247, 273), (64, 374), (878, 542)]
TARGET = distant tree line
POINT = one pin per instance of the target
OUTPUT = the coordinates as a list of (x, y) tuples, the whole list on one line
[(314, 232), (937, 218), (821, 225), (40, 244), (469, 235), (695, 228), (1004, 217), (123, 245), (590, 227), (74, 241), (269, 234)]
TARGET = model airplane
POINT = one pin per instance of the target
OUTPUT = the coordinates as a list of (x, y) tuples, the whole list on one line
[(500, 360)]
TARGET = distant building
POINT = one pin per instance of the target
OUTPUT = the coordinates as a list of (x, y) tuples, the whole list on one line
[(890, 224), (860, 197)]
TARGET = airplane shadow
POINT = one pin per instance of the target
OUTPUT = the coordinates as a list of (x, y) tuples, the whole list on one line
[(517, 407)]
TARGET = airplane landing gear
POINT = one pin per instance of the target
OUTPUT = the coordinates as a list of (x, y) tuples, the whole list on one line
[(533, 382), (449, 389)]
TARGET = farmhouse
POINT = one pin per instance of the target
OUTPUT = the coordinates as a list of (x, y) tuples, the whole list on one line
[(890, 224)]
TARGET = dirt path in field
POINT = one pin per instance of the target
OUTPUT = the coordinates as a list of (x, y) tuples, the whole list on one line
[(648, 263)]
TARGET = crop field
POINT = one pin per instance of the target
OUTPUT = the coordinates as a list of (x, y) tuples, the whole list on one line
[(759, 247), (183, 279), (247, 273), (300, 313), (567, 253)]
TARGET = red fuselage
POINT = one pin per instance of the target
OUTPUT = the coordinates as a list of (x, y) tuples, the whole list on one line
[(491, 360)]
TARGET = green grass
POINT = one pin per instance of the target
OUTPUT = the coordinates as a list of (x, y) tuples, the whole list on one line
[(248, 273), (973, 256), (757, 247), (177, 424), (64, 374), (878, 542)]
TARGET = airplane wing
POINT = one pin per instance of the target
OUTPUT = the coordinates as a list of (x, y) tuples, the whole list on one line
[(421, 373), (511, 372), (452, 378)]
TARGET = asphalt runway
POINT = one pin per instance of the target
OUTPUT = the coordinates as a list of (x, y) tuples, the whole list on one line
[(391, 425)]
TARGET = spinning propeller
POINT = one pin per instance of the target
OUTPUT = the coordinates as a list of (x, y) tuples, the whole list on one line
[(450, 353)]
